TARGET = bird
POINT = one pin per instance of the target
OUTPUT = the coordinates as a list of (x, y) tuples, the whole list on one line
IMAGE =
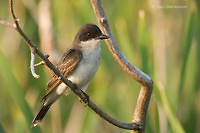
[(79, 64)]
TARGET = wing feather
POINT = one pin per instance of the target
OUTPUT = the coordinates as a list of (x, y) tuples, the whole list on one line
[(66, 65)]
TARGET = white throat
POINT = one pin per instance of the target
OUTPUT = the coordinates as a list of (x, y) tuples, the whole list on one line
[(90, 44)]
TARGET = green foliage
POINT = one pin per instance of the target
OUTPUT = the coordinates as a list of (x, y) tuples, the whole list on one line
[(163, 42), (16, 91), (186, 48)]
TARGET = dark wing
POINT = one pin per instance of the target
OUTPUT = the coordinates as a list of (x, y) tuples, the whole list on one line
[(66, 65)]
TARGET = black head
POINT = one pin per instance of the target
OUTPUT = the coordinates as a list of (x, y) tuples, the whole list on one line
[(89, 32)]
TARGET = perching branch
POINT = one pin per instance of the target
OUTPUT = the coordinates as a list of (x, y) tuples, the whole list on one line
[(78, 92), (139, 116)]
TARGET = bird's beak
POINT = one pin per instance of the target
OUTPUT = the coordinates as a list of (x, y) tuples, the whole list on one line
[(103, 37)]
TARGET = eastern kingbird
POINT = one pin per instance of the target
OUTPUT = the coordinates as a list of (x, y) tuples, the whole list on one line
[(78, 64)]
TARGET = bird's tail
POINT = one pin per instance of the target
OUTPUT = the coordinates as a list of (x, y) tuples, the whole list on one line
[(40, 115)]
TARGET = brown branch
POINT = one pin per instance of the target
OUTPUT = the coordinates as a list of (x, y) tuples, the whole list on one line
[(139, 116), (78, 92)]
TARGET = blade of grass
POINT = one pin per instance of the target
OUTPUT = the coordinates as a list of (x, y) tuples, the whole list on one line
[(175, 124), (186, 49), (142, 33), (197, 35), (16, 91), (157, 122)]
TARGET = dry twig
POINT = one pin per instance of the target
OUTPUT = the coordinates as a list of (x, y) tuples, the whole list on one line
[(139, 116), (32, 64)]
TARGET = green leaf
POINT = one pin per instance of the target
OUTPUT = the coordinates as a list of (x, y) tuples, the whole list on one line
[(174, 122)]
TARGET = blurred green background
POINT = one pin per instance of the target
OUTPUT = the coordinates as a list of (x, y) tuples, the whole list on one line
[(160, 37)]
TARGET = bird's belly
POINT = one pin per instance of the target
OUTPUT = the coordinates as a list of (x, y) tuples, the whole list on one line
[(86, 69)]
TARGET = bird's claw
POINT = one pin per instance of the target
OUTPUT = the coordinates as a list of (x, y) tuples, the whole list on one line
[(86, 99)]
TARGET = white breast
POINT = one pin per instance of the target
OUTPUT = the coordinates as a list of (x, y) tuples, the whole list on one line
[(88, 66)]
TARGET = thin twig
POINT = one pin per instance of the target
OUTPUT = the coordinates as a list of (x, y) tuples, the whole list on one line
[(78, 92), (41, 62), (32, 67), (11, 25)]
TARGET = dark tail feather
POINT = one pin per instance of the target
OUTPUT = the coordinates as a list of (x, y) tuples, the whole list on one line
[(38, 118)]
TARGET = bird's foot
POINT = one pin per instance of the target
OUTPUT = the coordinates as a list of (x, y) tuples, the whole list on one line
[(86, 98)]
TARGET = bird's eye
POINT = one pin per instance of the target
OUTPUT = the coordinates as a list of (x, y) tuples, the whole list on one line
[(88, 34)]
